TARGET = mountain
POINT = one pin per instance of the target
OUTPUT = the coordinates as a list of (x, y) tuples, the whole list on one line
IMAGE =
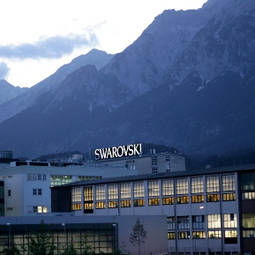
[(8, 91), (11, 108), (187, 82)]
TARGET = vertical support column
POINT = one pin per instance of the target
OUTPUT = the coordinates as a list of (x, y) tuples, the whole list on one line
[(82, 200)]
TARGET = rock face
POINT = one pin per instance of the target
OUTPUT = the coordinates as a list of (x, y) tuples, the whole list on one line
[(187, 81), (8, 91), (11, 108)]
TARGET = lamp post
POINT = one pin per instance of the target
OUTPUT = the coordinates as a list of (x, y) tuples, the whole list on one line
[(64, 226), (8, 224)]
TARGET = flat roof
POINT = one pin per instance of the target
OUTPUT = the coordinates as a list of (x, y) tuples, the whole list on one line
[(105, 171), (162, 175)]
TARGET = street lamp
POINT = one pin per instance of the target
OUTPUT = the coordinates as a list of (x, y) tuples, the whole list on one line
[(8, 224)]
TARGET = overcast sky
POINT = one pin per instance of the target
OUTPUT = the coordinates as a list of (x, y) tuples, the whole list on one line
[(38, 36)]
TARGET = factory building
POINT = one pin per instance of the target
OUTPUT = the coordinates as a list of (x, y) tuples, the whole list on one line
[(27, 184), (208, 212)]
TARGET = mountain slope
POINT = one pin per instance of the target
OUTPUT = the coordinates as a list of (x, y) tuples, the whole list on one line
[(8, 91), (11, 108), (202, 102)]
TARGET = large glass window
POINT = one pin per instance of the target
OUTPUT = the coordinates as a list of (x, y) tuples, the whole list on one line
[(76, 194), (153, 188), (248, 220), (153, 201), (248, 182), (213, 197), (125, 203), (168, 200), (113, 191), (198, 221), (184, 235), (56, 180), (171, 235), (230, 220), (230, 237), (171, 223), (213, 221), (88, 194), (197, 199), (229, 196), (248, 233), (138, 189), (228, 183), (198, 235), (100, 192), (214, 234), (248, 195), (138, 202), (183, 222), (197, 185), (182, 186), (125, 190), (168, 187), (212, 184)]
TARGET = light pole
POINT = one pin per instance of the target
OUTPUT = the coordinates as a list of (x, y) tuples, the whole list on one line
[(8, 224), (64, 226)]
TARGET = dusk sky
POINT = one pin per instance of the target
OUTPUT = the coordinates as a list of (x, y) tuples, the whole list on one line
[(37, 37)]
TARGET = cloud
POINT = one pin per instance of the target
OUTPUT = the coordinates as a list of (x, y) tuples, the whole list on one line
[(4, 70), (52, 47)]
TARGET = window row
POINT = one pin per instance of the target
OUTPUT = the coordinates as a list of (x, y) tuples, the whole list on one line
[(168, 187), (198, 221), (230, 236)]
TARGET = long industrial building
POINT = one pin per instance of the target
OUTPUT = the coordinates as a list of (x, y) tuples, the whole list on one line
[(208, 212)]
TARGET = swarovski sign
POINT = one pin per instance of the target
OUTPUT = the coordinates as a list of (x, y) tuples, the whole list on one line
[(119, 152)]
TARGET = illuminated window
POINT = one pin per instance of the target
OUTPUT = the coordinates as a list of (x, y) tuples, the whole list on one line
[(230, 220), (230, 236), (56, 180), (248, 220), (197, 185), (100, 205), (113, 191), (197, 199), (112, 204), (248, 195), (138, 189), (76, 194), (198, 235), (182, 186), (182, 200), (183, 222), (171, 235), (76, 207), (153, 201), (229, 197), (214, 234), (184, 235), (138, 202), (167, 187), (168, 200), (213, 221), (248, 233), (228, 183), (42, 209), (88, 206), (88, 194), (213, 197), (213, 184), (100, 192), (125, 190), (153, 188), (125, 203)]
